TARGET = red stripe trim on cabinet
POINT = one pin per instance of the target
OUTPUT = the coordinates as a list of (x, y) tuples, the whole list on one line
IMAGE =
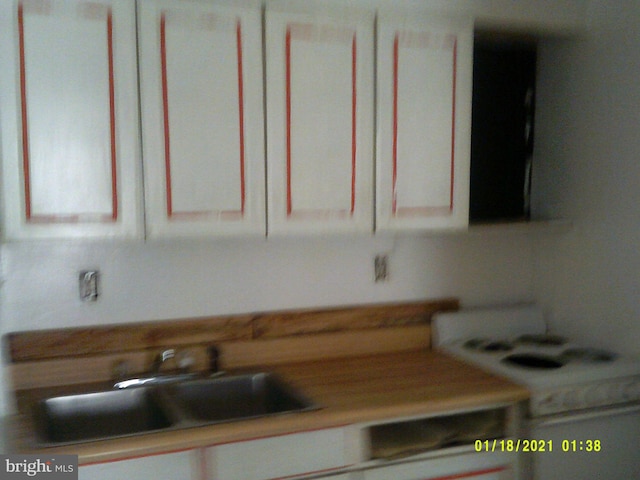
[(288, 114), (453, 120), (165, 111), (394, 173), (136, 457), (475, 473), (25, 123), (354, 151), (313, 472), (112, 114), (241, 115), (304, 34), (70, 218)]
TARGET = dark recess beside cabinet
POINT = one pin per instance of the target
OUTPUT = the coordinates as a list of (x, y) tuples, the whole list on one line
[(504, 74)]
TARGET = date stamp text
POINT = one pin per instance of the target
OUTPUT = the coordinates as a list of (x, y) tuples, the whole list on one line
[(533, 445)]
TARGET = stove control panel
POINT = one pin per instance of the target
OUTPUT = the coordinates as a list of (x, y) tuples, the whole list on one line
[(592, 395)]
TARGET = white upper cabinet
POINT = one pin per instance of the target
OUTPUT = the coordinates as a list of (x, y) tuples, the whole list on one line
[(202, 117), (69, 119), (424, 81), (71, 156), (320, 102)]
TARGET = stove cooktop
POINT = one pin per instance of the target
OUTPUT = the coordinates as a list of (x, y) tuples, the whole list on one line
[(562, 376), (545, 362), (539, 351)]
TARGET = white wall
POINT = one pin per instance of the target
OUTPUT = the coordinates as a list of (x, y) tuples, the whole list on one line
[(142, 282), (588, 170), (175, 280)]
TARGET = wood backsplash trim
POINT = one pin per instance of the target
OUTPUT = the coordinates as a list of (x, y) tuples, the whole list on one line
[(343, 344), (305, 322), (99, 340), (69, 342)]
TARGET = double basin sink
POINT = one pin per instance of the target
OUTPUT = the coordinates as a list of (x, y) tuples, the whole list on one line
[(160, 406)]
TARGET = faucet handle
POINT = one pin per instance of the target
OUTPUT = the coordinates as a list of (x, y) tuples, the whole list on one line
[(185, 360), (214, 359), (166, 355)]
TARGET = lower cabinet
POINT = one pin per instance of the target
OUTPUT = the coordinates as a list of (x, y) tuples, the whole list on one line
[(295, 455), (169, 466), (472, 466), (390, 451)]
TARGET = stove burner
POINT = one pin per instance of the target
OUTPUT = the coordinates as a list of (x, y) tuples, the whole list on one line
[(587, 355), (533, 360), (475, 343), (498, 346), (485, 345), (541, 339)]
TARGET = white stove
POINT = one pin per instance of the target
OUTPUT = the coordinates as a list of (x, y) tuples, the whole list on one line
[(561, 375), (579, 394)]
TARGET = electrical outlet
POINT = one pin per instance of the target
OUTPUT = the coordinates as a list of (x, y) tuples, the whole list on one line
[(88, 281), (381, 268)]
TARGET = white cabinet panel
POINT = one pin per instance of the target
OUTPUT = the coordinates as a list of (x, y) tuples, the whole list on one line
[(68, 94), (202, 117), (476, 466), (320, 119), (278, 457), (171, 466), (424, 121)]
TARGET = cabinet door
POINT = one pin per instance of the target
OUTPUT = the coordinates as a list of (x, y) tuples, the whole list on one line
[(424, 121), (319, 118), (202, 117), (497, 473), (480, 466), (171, 466), (294, 455), (69, 125)]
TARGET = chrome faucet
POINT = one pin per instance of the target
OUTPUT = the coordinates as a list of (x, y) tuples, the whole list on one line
[(183, 359)]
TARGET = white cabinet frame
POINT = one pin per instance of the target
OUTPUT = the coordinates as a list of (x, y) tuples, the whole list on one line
[(319, 118), (424, 81), (184, 465), (202, 117), (69, 119)]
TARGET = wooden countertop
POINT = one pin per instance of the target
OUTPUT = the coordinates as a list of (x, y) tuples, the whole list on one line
[(350, 390)]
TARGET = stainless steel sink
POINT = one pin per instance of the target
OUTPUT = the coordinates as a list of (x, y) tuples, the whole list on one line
[(143, 409), (240, 396), (93, 416)]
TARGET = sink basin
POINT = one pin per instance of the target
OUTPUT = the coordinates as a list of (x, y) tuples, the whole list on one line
[(136, 409), (239, 396), (93, 416)]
